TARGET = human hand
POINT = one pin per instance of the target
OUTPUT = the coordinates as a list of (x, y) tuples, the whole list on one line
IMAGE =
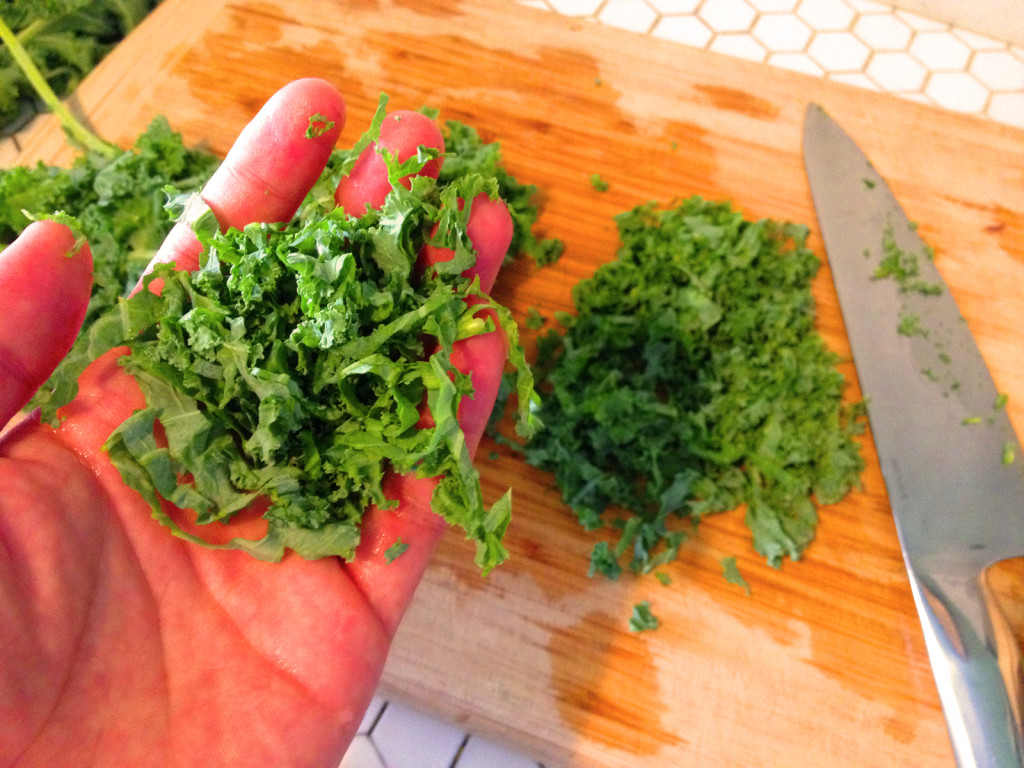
[(124, 645)]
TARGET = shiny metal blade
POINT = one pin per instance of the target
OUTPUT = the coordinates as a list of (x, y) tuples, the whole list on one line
[(952, 464)]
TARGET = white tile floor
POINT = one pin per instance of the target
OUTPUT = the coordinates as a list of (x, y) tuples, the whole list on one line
[(864, 43), (861, 42), (393, 735)]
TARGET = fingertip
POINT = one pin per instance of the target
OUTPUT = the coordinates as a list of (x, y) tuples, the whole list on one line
[(402, 133), (45, 284), (278, 155), (55, 239), (273, 164), (490, 232)]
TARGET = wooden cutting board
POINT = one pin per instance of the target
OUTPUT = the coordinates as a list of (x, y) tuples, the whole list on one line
[(824, 663)]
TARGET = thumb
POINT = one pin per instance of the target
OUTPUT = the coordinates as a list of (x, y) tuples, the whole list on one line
[(45, 282)]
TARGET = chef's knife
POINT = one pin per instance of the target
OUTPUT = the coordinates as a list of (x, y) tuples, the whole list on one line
[(952, 464)]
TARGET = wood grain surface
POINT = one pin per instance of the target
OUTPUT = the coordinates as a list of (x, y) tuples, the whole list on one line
[(823, 664)]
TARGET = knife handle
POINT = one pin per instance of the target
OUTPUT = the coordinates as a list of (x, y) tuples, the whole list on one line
[(977, 669)]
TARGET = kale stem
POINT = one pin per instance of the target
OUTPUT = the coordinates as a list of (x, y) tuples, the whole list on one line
[(78, 132), (31, 31)]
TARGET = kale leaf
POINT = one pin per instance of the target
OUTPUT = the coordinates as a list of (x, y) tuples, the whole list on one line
[(65, 39)]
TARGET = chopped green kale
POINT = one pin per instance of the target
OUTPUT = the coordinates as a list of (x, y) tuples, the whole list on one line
[(291, 366), (396, 550), (732, 574), (1009, 452), (65, 39), (910, 325), (642, 618), (318, 126), (904, 266), (690, 381), (534, 319), (467, 153), (117, 201)]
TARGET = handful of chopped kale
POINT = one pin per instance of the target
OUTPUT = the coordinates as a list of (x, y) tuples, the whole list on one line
[(690, 381), (292, 365)]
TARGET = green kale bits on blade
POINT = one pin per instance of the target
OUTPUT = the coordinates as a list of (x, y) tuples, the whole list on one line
[(292, 365), (691, 380)]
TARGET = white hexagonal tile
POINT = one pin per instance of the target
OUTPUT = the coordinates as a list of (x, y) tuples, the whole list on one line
[(773, 6), (688, 30), (999, 70), (575, 7), (782, 32), (882, 31), (978, 42), (922, 24), (918, 98), (483, 753), (727, 15), (957, 91), (674, 7), (869, 6), (797, 62), (838, 51), (826, 15), (896, 71), (361, 754), (634, 15), (858, 79), (940, 50), (408, 738), (739, 45), (371, 715), (1007, 108)]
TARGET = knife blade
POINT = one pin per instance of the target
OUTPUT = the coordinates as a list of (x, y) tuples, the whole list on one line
[(952, 464)]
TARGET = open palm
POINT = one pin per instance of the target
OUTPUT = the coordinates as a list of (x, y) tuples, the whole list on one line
[(122, 645)]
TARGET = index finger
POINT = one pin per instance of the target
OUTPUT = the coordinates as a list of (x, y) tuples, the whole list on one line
[(272, 165)]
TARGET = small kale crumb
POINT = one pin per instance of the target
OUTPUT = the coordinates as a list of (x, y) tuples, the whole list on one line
[(1001, 400), (972, 420), (604, 560), (732, 573), (642, 618), (869, 183), (534, 319), (396, 550), (318, 126), (663, 577), (910, 325), (1009, 452), (903, 266), (598, 183)]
